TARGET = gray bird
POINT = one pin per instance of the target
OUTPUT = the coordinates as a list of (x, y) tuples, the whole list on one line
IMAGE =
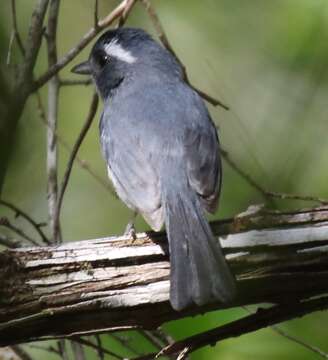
[(162, 154)]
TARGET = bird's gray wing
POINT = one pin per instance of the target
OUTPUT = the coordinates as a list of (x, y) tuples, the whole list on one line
[(203, 160), (129, 167)]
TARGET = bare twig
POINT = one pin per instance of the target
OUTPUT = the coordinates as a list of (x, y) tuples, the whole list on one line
[(292, 338), (296, 340), (6, 223), (125, 341), (262, 319), (78, 350), (153, 339), (63, 349), (100, 352), (268, 195), (125, 12), (49, 349), (19, 351), (150, 356), (95, 15), (166, 338), (165, 41), (14, 34), (225, 155), (23, 214), (15, 27), (71, 82), (9, 242), (84, 130), (83, 163), (157, 340), (11, 42), (33, 43), (53, 94), (95, 346), (89, 36), (285, 196)]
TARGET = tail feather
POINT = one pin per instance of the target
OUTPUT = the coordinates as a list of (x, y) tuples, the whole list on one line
[(199, 273)]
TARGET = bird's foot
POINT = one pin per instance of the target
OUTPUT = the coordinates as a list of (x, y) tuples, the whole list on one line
[(130, 231)]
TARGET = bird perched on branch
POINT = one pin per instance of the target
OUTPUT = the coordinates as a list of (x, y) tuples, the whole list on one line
[(162, 154)]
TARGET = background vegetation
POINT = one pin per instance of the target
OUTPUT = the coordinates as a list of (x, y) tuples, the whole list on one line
[(267, 60)]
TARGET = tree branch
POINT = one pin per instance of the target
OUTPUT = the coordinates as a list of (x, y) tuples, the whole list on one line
[(53, 95), (28, 218), (114, 283), (165, 41), (267, 195), (15, 27), (86, 39), (262, 319), (85, 128), (7, 224), (33, 43)]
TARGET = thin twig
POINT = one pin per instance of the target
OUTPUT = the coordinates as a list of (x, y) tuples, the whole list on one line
[(52, 151), (100, 351), (9, 242), (94, 346), (157, 343), (125, 12), (296, 340), (82, 163), (62, 349), (292, 338), (166, 338), (14, 34), (285, 196), (84, 130), (19, 351), (95, 15), (23, 214), (33, 44), (268, 195), (49, 349), (78, 350), (157, 339), (261, 319), (225, 155), (150, 356), (71, 82), (6, 223), (165, 41), (11, 42), (125, 341), (89, 36)]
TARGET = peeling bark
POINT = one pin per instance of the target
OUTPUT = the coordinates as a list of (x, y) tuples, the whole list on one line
[(116, 283)]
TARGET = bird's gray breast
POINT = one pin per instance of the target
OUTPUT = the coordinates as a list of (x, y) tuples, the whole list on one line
[(129, 162)]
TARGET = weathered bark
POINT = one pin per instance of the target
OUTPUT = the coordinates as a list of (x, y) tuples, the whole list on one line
[(116, 283)]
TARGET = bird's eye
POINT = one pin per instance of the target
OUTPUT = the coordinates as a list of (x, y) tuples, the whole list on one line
[(101, 59)]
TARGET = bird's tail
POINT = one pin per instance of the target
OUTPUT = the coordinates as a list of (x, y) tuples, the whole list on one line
[(199, 272)]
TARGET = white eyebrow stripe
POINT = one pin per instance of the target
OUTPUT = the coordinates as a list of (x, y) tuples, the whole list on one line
[(116, 50)]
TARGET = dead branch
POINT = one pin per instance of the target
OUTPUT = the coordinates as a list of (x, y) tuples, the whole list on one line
[(76, 147), (53, 99), (19, 212), (263, 318), (86, 39), (114, 283)]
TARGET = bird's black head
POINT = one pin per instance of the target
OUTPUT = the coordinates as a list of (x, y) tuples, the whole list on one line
[(120, 53)]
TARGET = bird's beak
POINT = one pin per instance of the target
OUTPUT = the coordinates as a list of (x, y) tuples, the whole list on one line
[(83, 68)]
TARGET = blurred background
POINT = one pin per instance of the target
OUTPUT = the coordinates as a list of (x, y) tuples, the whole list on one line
[(267, 60)]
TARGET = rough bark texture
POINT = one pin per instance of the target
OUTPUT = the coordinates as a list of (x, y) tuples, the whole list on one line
[(117, 283)]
